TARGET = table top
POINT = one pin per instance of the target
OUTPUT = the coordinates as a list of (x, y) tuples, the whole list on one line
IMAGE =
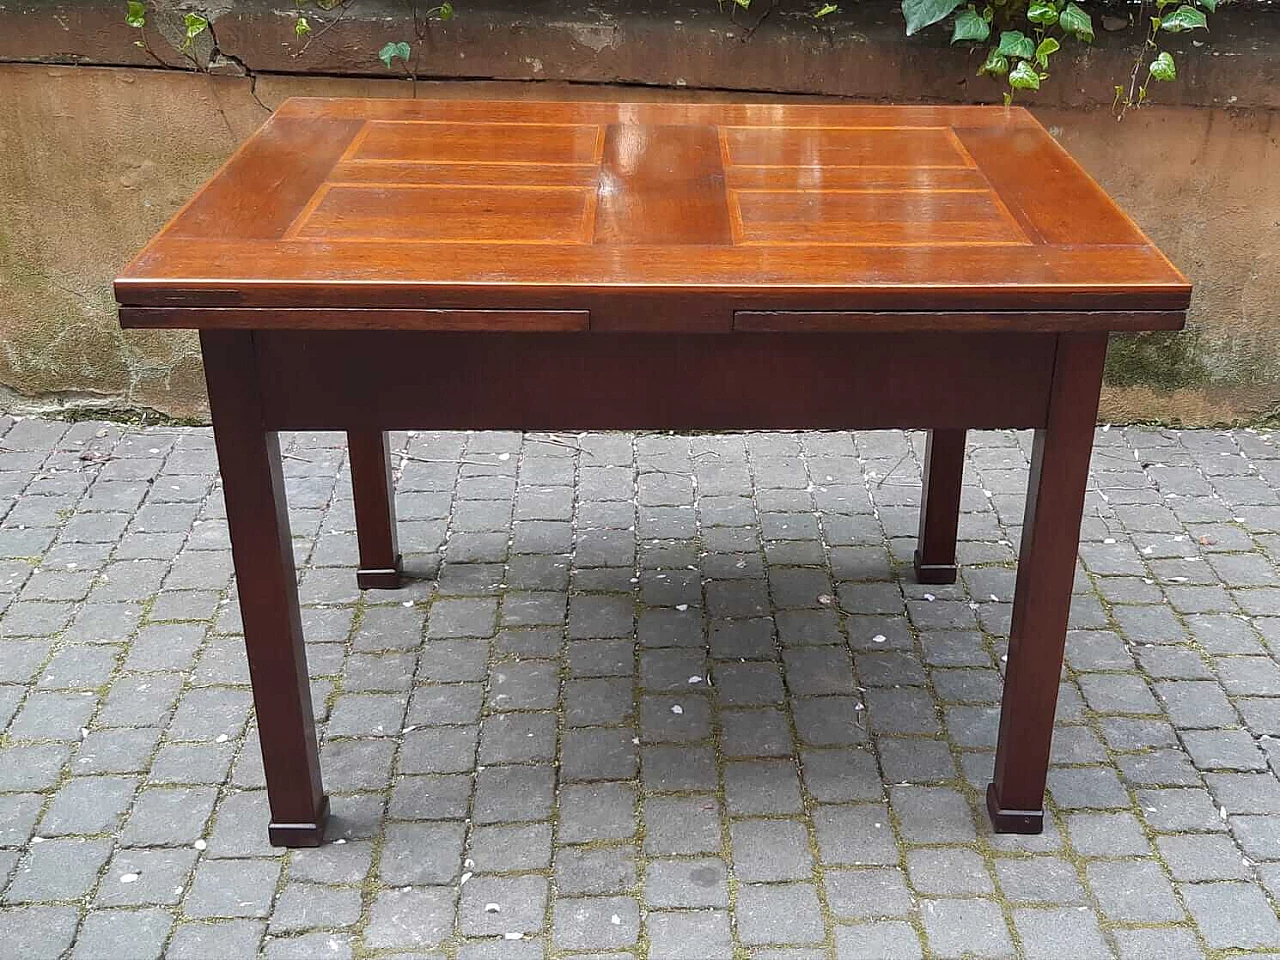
[(339, 204)]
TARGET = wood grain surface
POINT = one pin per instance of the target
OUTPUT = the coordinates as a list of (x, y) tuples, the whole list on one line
[(369, 265), (623, 211)]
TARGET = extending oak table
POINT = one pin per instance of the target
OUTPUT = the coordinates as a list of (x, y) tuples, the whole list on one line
[(368, 265)]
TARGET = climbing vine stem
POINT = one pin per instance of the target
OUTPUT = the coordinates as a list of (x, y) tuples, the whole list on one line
[(1021, 37)]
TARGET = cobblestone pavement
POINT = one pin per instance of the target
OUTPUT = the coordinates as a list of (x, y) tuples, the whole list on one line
[(652, 696)]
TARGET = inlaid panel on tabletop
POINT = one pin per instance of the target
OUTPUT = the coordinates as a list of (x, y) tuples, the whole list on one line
[(399, 205), (632, 183)]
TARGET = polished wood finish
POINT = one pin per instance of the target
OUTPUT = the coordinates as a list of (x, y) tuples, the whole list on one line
[(366, 265), (400, 380), (273, 175), (862, 218), (373, 487), (842, 143), (403, 214), (349, 318), (404, 204), (424, 140), (935, 556), (389, 274), (262, 550), (1042, 594), (1042, 186), (1046, 321), (661, 185)]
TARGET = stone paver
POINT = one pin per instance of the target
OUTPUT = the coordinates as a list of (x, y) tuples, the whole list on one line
[(647, 696)]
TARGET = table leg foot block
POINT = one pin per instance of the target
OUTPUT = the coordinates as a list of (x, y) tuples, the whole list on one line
[(934, 572), (300, 834), (389, 579), (1012, 821)]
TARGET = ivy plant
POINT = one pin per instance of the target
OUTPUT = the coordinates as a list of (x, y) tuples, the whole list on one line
[(401, 51), (193, 25), (1021, 37)]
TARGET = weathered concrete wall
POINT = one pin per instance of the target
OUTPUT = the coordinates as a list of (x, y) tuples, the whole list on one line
[(1205, 185), (860, 51), (93, 160), (91, 163)]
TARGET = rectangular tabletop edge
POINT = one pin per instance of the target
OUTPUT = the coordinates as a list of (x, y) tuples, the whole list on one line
[(1029, 321), (355, 318), (568, 321), (190, 293)]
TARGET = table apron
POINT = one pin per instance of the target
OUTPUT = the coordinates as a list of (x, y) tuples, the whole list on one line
[(334, 380)]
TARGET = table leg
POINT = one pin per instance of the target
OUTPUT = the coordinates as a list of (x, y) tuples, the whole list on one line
[(261, 548), (935, 559), (1042, 597), (374, 493)]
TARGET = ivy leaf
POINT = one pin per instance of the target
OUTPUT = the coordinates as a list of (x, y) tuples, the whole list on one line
[(1184, 18), (1076, 22), (996, 64), (301, 27), (391, 51), (136, 14), (1048, 47), (970, 26), (1210, 5), (1045, 14), (446, 11), (1024, 77), (921, 13), (1163, 68), (825, 10), (195, 25), (1013, 43), (744, 4)]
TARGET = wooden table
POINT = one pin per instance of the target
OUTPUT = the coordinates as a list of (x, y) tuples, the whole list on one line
[(367, 265)]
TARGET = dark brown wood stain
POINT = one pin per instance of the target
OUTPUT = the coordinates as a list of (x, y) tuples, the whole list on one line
[(366, 265)]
